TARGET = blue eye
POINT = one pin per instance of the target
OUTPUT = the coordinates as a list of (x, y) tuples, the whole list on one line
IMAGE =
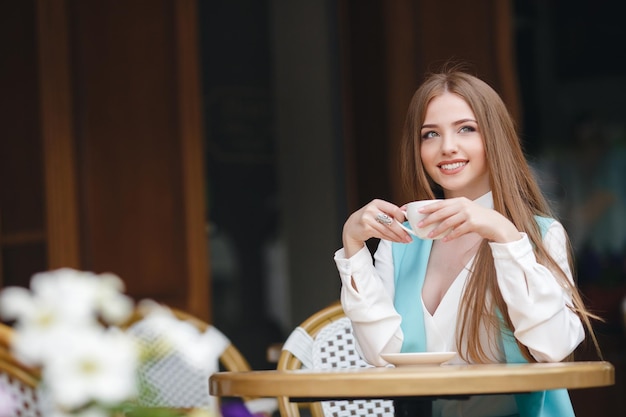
[(429, 134), (467, 129)]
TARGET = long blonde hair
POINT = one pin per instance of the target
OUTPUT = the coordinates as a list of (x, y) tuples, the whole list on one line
[(516, 195)]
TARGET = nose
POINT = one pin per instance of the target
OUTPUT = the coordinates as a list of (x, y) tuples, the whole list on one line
[(448, 144)]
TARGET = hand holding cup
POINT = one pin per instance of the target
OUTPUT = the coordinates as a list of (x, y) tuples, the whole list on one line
[(414, 216)]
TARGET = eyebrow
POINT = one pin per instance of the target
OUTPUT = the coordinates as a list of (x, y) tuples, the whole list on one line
[(458, 122)]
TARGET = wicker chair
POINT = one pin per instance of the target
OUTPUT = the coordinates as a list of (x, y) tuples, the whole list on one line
[(172, 380), (19, 392), (325, 340)]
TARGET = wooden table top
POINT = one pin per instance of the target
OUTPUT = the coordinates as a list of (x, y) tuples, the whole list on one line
[(407, 381)]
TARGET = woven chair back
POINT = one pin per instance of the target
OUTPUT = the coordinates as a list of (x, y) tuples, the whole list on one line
[(325, 340)]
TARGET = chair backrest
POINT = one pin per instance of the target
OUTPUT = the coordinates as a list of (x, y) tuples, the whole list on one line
[(325, 340), (19, 384), (172, 380)]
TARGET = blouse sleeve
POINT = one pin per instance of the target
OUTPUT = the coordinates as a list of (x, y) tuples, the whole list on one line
[(375, 322), (539, 307)]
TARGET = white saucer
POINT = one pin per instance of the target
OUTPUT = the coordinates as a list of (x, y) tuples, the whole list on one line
[(418, 358)]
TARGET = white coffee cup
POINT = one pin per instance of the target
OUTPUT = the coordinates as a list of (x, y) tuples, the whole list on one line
[(414, 216)]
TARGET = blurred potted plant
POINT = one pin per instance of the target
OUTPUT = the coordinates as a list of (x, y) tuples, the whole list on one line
[(66, 324)]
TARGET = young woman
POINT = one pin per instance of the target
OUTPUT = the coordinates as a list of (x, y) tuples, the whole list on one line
[(499, 286)]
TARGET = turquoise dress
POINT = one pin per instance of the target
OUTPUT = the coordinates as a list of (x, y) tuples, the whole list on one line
[(410, 262)]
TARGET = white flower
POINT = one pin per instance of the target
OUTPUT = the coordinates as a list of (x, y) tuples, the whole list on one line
[(35, 346), (210, 347), (15, 302), (93, 295), (61, 296), (200, 350), (40, 322), (59, 303), (65, 325), (59, 286), (114, 306), (40, 312), (95, 366)]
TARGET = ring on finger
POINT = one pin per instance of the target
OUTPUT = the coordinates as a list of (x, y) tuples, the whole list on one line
[(383, 218)]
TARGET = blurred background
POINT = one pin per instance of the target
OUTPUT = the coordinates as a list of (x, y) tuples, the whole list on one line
[(209, 151)]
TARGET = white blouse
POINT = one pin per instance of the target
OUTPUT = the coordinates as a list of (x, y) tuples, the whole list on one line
[(537, 304)]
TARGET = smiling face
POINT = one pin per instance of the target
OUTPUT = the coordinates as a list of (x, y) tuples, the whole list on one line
[(452, 149)]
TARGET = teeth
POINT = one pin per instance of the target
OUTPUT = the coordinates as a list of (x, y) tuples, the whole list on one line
[(453, 166)]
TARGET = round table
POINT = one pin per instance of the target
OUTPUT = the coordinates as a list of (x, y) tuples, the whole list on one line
[(419, 382)]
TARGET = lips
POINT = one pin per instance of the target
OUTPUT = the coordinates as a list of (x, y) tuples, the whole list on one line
[(452, 166)]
